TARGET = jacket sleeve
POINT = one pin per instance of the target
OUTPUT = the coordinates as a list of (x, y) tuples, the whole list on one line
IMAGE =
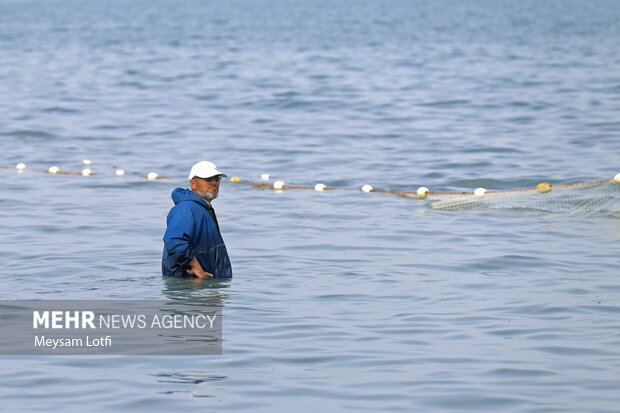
[(178, 250)]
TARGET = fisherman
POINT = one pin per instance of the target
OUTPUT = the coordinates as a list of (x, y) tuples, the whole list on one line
[(193, 244)]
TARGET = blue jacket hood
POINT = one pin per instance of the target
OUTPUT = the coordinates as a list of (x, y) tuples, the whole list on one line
[(181, 194)]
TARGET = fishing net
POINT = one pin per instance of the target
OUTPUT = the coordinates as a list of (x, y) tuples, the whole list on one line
[(584, 198)]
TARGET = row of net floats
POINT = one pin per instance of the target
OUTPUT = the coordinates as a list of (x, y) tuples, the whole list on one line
[(422, 192), (54, 170)]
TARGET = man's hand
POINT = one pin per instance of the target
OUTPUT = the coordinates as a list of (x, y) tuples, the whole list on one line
[(196, 269)]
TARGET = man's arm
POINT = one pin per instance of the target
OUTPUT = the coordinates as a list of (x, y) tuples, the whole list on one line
[(196, 269), (178, 248)]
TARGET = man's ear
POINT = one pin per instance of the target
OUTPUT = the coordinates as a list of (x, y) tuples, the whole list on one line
[(192, 184)]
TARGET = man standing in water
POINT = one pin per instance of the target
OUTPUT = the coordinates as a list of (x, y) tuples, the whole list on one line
[(193, 244)]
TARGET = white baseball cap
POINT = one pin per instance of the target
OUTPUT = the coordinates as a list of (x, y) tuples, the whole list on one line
[(204, 169)]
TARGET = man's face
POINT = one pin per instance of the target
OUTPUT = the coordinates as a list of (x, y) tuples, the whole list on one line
[(206, 188)]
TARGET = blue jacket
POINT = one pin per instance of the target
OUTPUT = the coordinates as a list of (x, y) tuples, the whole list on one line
[(193, 231)]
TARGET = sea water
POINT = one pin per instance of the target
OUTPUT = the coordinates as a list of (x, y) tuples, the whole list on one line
[(341, 300)]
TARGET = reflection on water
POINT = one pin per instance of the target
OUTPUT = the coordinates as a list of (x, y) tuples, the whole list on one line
[(189, 377), (194, 291)]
